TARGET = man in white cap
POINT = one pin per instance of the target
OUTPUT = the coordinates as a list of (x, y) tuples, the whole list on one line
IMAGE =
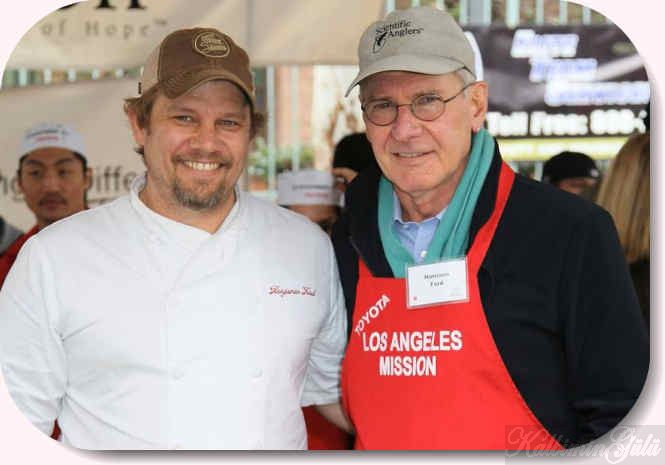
[(311, 193), (53, 176), (186, 314), (491, 311)]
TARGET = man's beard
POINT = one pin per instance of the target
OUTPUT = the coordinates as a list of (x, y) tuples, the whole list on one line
[(189, 198)]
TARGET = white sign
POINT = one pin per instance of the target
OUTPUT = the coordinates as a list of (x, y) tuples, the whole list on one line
[(437, 283)]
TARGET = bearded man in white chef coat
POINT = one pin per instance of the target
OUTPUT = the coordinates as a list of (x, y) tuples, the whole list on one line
[(186, 314)]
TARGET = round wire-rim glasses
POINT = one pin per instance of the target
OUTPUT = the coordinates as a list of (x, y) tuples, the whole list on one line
[(426, 107)]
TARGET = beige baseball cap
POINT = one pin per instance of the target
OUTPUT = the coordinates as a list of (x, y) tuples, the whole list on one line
[(421, 40), (189, 57)]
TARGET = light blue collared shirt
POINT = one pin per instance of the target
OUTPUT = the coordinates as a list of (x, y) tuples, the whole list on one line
[(414, 237)]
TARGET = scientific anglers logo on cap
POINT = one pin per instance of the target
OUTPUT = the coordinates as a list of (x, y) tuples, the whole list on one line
[(388, 31), (211, 44), (379, 40)]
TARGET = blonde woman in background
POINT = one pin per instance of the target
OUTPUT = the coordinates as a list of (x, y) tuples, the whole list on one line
[(625, 194)]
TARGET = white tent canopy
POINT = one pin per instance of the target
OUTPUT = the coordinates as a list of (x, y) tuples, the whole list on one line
[(109, 34), (92, 35)]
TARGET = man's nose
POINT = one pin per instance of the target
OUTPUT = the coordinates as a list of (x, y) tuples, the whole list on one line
[(406, 125), (205, 138), (50, 181)]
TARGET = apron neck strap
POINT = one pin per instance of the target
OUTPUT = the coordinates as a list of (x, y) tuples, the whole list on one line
[(485, 235), (363, 271)]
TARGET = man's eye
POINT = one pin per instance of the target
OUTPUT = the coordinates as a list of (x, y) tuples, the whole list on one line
[(34, 173), (428, 99), (382, 105), (184, 118), (229, 123)]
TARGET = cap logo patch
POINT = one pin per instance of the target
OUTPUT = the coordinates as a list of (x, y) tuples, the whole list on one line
[(385, 32), (211, 44)]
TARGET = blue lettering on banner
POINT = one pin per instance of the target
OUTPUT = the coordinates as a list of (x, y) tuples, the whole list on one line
[(528, 44), (577, 69), (561, 93)]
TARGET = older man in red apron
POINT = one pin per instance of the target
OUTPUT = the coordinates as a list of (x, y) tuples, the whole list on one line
[(489, 312)]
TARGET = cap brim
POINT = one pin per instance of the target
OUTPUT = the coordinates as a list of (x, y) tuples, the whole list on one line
[(55, 145), (183, 83), (414, 64)]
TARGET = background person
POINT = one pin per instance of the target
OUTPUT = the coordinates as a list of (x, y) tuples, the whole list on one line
[(572, 172), (482, 299), (625, 194), (353, 153), (312, 193), (186, 314), (53, 176)]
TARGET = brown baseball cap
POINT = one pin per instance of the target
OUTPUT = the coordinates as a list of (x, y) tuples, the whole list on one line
[(189, 57)]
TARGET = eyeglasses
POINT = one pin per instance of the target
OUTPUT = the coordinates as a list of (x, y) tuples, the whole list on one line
[(426, 107)]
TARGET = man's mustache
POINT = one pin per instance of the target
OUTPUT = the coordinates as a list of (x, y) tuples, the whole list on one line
[(52, 198)]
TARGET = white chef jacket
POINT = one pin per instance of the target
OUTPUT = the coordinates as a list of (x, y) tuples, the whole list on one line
[(139, 332)]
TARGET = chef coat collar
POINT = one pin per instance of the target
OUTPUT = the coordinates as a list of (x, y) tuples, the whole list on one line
[(163, 228)]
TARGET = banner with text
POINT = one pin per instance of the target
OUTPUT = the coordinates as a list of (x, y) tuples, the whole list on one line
[(111, 34), (559, 84)]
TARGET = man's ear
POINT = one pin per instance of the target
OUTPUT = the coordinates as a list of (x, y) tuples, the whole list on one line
[(88, 178), (18, 180), (478, 94), (138, 132)]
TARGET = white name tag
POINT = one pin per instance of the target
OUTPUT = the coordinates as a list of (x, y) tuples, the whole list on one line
[(437, 283)]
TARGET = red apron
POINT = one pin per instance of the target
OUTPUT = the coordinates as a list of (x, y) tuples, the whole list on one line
[(433, 378), (323, 435)]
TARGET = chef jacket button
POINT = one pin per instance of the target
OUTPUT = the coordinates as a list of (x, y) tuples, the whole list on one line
[(178, 373), (257, 373)]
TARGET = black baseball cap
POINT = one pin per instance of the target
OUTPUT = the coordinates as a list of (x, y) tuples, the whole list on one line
[(353, 151), (567, 165)]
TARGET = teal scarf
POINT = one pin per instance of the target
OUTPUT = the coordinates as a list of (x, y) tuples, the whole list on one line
[(451, 238)]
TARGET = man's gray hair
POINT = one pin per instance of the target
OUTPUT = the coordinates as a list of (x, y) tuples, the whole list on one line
[(464, 75)]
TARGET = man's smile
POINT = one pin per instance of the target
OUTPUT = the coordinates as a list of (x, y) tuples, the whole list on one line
[(202, 166)]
